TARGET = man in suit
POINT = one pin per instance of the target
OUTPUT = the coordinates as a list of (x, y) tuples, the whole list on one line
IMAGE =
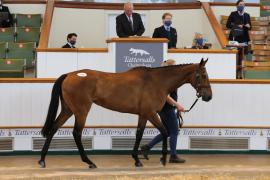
[(129, 23), (5, 22), (71, 41), (167, 31)]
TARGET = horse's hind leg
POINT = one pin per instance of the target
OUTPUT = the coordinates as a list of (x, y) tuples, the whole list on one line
[(139, 134), (64, 115), (155, 120), (80, 119)]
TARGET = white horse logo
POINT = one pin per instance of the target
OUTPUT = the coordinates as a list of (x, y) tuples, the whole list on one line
[(138, 51)]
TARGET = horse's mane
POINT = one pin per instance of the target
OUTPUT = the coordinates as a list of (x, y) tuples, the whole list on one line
[(161, 67)]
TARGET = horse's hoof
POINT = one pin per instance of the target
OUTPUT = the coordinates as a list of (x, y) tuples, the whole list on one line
[(92, 166), (138, 164), (163, 161), (42, 163)]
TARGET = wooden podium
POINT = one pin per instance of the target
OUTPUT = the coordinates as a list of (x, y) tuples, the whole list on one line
[(137, 51)]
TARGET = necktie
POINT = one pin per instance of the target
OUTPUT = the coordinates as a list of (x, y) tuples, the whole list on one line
[(131, 24)]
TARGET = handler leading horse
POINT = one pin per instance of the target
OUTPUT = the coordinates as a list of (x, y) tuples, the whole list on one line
[(141, 91)]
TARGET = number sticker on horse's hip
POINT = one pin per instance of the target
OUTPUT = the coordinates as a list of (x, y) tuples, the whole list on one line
[(82, 74)]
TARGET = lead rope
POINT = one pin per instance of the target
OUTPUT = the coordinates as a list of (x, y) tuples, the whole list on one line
[(180, 118)]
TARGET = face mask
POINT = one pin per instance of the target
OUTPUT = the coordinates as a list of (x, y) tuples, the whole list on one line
[(167, 23), (240, 8), (72, 42), (199, 41)]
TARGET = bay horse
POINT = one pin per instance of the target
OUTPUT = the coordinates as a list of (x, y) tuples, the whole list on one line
[(140, 91)]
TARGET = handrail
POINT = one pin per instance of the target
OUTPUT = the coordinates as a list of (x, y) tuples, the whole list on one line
[(137, 39), (46, 26), (233, 4), (94, 5), (25, 1), (119, 6), (27, 80), (214, 51), (104, 50), (215, 25)]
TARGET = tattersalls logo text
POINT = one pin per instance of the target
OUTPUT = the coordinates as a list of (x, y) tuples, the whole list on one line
[(138, 57), (130, 55)]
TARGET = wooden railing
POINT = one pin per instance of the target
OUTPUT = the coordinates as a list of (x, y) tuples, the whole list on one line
[(119, 6), (94, 50), (211, 51), (233, 4), (105, 50), (143, 6), (46, 27), (25, 1), (215, 25), (137, 40)]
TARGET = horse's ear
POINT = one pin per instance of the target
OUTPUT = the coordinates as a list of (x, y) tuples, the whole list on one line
[(205, 61), (202, 62)]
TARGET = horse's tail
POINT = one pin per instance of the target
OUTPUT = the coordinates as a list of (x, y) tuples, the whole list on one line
[(53, 107)]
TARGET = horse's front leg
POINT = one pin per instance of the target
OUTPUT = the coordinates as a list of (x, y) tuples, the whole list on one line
[(139, 134)]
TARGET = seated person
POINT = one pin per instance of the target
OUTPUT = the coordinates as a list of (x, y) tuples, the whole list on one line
[(71, 41), (199, 42), (129, 23), (167, 31), (8, 22)]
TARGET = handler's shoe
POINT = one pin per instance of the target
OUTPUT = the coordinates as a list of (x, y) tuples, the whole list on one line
[(176, 159), (145, 150)]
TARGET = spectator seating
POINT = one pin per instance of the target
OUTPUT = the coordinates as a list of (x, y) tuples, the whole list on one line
[(3, 48), (12, 68), (265, 8), (258, 67), (7, 34), (25, 34), (22, 51), (19, 42), (28, 20)]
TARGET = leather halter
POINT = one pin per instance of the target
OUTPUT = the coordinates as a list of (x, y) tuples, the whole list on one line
[(198, 88)]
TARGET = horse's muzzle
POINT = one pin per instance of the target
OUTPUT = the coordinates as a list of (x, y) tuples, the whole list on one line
[(207, 98)]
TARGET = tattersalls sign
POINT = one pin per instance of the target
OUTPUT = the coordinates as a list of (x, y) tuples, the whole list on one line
[(130, 55)]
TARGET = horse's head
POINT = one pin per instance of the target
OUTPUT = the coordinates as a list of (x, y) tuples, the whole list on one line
[(200, 82)]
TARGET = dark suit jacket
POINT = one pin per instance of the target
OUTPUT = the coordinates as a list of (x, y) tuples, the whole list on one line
[(67, 46), (161, 32), (123, 27), (9, 22), (234, 20)]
